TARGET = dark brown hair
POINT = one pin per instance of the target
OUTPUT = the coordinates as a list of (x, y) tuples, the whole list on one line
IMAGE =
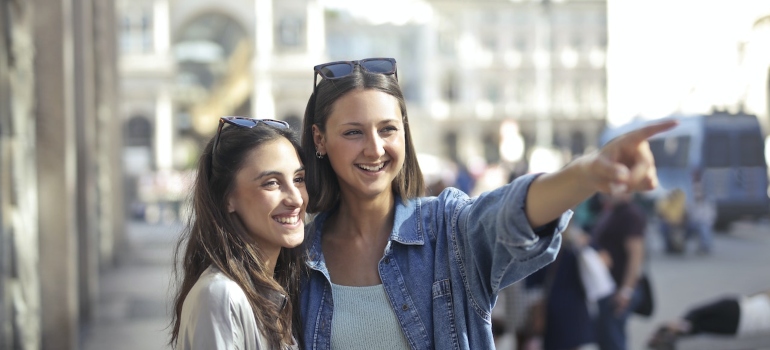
[(322, 186), (214, 237)]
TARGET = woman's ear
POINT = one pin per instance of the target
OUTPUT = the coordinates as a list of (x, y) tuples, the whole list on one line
[(318, 140), (230, 205)]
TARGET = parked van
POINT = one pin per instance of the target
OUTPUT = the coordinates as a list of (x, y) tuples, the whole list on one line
[(724, 151)]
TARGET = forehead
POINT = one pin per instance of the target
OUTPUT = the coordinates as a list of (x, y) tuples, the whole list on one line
[(274, 155), (364, 106)]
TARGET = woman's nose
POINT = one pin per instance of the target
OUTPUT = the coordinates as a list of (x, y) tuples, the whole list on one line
[(293, 196), (374, 146)]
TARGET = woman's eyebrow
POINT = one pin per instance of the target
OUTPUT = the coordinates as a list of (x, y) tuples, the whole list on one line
[(267, 173)]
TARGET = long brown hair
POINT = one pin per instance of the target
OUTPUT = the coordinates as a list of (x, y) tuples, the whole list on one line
[(323, 189), (214, 237)]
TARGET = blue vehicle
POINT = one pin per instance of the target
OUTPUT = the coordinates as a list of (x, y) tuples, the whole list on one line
[(724, 151)]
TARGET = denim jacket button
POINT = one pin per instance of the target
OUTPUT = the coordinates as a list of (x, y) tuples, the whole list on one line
[(387, 260), (404, 307)]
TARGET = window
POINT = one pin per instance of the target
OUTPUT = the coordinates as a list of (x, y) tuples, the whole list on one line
[(520, 44), (489, 42), (717, 153), (446, 43), (290, 32), (138, 132), (577, 43), (493, 93), (672, 152), (750, 150), (136, 31), (450, 88)]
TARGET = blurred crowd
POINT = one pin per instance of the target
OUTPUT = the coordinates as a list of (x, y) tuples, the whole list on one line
[(599, 279)]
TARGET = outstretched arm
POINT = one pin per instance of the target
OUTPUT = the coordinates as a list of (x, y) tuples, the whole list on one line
[(624, 164)]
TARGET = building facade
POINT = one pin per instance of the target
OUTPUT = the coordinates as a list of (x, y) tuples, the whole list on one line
[(755, 71), (466, 69), (538, 64), (184, 64)]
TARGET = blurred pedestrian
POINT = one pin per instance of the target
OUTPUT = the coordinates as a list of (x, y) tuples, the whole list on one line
[(588, 212), (509, 315), (561, 317), (729, 316), (701, 215), (672, 211), (239, 271), (389, 268), (619, 234)]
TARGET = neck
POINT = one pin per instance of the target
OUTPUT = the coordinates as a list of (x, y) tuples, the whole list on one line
[(365, 217), (272, 259)]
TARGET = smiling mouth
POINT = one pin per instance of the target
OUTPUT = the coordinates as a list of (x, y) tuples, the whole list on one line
[(372, 168), (286, 220)]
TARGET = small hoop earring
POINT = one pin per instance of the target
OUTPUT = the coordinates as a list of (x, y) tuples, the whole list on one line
[(319, 155)]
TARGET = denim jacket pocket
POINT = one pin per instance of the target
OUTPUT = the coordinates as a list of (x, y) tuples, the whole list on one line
[(443, 309)]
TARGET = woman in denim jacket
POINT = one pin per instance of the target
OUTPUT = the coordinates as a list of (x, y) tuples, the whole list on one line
[(390, 269)]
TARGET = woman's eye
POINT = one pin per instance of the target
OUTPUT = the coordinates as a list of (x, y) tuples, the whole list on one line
[(352, 132), (271, 183), (389, 129), (299, 179)]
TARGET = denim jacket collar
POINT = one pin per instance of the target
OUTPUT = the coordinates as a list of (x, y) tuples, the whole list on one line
[(402, 231)]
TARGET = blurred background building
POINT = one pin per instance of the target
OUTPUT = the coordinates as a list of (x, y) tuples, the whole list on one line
[(466, 69), (106, 105)]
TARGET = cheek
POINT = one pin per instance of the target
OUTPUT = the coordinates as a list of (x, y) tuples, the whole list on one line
[(398, 147)]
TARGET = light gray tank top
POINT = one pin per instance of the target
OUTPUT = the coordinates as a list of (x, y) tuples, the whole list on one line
[(364, 319)]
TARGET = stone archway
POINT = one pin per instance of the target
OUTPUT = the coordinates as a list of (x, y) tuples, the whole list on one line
[(213, 55)]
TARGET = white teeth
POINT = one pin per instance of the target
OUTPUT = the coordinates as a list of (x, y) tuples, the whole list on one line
[(291, 220), (371, 168)]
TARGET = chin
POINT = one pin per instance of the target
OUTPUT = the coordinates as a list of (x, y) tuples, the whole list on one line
[(294, 240)]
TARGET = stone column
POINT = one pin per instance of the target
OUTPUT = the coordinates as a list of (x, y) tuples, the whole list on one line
[(57, 168), (6, 333), (19, 281), (109, 136), (85, 125)]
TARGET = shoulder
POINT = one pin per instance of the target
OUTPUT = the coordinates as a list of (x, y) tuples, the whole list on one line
[(447, 195), (437, 208), (215, 290), (217, 315)]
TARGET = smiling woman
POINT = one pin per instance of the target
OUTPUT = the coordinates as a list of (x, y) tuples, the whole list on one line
[(239, 268), (426, 270)]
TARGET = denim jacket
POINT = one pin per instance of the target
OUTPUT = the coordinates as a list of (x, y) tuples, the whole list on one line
[(445, 262)]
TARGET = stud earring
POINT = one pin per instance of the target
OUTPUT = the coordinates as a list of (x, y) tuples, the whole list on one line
[(319, 155)]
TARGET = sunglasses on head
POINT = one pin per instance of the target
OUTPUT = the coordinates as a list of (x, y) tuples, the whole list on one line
[(243, 122), (340, 69)]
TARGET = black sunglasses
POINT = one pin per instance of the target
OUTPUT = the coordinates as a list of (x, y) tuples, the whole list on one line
[(340, 69), (243, 122)]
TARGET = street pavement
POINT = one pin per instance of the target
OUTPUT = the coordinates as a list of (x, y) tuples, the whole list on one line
[(739, 265), (133, 311)]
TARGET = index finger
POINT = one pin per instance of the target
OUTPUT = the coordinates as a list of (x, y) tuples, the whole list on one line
[(648, 131)]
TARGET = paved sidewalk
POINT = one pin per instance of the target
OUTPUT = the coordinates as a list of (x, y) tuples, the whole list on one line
[(738, 266), (133, 311)]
